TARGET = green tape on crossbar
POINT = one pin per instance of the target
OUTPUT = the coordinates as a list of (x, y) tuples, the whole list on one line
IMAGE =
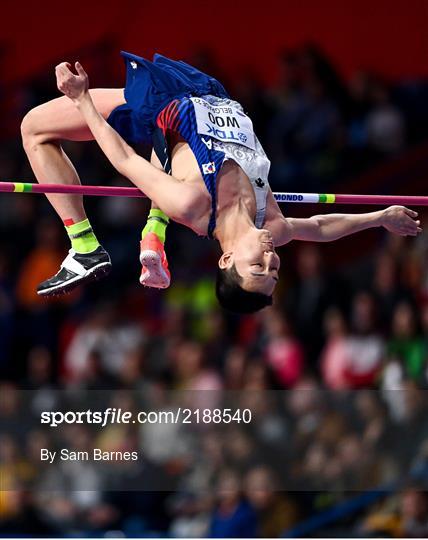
[(20, 187), (327, 198)]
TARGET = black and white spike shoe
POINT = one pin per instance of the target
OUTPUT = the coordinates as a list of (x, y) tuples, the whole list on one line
[(77, 268)]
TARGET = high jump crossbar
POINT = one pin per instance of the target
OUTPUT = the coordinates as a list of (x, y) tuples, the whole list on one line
[(281, 197)]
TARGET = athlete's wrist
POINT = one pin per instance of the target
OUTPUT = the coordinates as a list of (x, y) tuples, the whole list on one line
[(82, 100), (381, 216)]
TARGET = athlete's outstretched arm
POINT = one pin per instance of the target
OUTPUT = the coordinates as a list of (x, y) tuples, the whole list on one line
[(175, 198), (330, 227)]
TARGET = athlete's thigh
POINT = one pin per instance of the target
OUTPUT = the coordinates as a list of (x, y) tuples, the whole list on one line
[(60, 118)]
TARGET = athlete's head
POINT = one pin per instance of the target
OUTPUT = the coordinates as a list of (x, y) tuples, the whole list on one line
[(247, 275)]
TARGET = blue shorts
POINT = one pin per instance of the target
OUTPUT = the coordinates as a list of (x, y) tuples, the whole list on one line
[(150, 87)]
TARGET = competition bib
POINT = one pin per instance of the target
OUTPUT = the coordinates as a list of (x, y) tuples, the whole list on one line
[(224, 123)]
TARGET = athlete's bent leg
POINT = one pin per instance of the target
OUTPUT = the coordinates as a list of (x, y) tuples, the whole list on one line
[(154, 272), (42, 130)]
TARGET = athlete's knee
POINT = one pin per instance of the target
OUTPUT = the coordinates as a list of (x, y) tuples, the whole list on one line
[(28, 130), (31, 133)]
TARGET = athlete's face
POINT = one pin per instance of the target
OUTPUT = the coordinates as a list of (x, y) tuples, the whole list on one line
[(255, 261)]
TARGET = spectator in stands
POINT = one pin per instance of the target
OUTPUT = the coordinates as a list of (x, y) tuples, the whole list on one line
[(284, 354), (276, 512), (387, 289), (107, 332), (366, 346), (414, 512), (409, 520), (233, 517), (335, 355), (308, 299), (385, 122), (406, 344)]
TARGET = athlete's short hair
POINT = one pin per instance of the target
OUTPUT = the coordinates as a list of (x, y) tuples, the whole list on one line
[(233, 297)]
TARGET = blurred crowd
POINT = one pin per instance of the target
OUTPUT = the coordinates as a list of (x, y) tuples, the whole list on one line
[(304, 450), (335, 372)]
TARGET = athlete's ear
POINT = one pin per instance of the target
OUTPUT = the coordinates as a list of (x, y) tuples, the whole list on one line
[(226, 260)]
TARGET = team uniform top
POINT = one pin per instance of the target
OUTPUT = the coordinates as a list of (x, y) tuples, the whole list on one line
[(167, 97)]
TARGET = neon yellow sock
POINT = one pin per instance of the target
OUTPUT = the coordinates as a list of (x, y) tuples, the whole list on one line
[(83, 239), (157, 223)]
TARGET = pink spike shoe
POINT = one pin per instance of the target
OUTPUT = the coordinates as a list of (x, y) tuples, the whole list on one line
[(155, 271)]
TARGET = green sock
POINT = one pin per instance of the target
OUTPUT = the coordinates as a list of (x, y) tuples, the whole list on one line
[(83, 239), (157, 223)]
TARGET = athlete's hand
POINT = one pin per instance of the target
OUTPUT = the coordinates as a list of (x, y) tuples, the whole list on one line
[(401, 220), (73, 86)]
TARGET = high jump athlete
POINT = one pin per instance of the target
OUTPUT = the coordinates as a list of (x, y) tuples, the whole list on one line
[(208, 172)]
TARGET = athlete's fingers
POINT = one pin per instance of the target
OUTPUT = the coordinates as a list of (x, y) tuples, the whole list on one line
[(67, 75), (62, 76), (80, 70), (410, 213), (63, 67), (410, 221)]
